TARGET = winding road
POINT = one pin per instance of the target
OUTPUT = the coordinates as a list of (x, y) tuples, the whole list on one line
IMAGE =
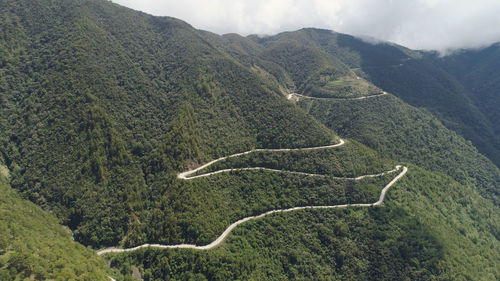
[(292, 95), (289, 172), (188, 176)]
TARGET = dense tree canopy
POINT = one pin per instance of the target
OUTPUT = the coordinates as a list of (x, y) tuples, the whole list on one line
[(101, 107)]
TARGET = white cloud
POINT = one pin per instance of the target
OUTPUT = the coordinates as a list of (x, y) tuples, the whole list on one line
[(418, 24)]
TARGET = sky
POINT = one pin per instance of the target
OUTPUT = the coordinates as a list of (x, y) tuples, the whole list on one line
[(441, 25)]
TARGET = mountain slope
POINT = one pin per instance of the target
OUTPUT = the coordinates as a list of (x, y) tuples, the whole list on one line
[(394, 128), (102, 107), (414, 77), (34, 246), (389, 125), (425, 231), (422, 84), (102, 98), (478, 71)]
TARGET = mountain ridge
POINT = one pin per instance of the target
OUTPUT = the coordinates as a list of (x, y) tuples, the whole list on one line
[(101, 107)]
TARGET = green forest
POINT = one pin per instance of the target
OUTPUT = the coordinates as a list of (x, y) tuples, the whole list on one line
[(34, 246), (101, 107), (422, 233)]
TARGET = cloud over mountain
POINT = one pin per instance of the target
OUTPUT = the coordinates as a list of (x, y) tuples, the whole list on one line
[(418, 24)]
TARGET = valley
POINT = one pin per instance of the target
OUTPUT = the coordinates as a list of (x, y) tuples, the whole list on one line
[(131, 143)]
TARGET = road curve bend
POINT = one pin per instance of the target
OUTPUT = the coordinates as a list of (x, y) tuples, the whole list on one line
[(297, 96), (187, 175), (228, 230)]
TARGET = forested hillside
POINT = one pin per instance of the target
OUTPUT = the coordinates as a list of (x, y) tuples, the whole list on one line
[(426, 231), (478, 71), (423, 84), (388, 125), (460, 89), (102, 99), (101, 108), (34, 246)]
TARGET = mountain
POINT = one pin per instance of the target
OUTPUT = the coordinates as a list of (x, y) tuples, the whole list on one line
[(384, 123), (33, 245), (110, 116), (422, 79), (478, 71), (102, 109)]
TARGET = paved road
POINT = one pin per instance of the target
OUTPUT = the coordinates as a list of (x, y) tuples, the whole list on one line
[(286, 171), (187, 174), (297, 96), (228, 230)]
